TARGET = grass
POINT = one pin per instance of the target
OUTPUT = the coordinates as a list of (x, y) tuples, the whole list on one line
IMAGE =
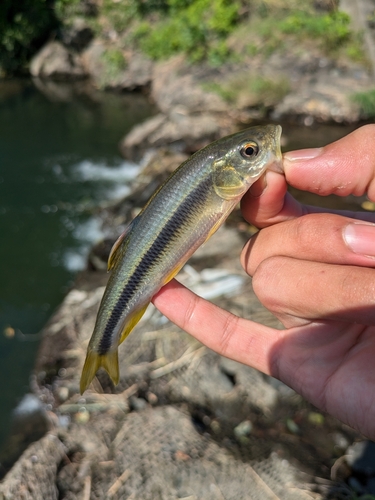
[(197, 28), (285, 25), (250, 91), (366, 102), (114, 63), (212, 30)]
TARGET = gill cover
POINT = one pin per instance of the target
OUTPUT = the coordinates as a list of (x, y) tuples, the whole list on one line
[(228, 184)]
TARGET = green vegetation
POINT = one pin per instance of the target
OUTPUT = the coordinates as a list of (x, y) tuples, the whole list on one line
[(280, 26), (211, 30), (65, 9), (248, 91), (198, 29), (24, 25), (114, 62), (218, 29), (366, 102)]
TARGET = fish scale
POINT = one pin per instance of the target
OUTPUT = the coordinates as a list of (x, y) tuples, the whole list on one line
[(183, 213)]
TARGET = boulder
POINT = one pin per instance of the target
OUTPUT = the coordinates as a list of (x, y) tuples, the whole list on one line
[(136, 72), (56, 62), (185, 132), (77, 35), (174, 85)]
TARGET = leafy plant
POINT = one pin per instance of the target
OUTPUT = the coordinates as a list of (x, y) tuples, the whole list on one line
[(114, 63), (67, 8), (24, 25), (366, 102), (333, 28), (197, 28), (246, 90)]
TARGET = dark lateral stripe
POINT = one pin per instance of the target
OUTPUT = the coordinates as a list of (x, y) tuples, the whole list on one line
[(193, 202)]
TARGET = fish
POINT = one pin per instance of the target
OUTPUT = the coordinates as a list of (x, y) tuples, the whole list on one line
[(180, 216)]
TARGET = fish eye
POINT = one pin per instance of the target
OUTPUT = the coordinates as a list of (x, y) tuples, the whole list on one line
[(249, 150)]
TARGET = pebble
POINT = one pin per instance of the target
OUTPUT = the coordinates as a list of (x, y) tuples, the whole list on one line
[(361, 457), (243, 429)]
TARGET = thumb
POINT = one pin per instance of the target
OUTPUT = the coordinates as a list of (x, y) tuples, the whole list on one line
[(344, 167)]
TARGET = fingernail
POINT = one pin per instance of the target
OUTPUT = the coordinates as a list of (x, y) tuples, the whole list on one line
[(360, 238), (302, 154)]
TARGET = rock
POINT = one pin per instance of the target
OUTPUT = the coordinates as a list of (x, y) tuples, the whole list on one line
[(326, 5), (243, 429), (92, 59), (190, 117), (321, 101), (77, 35), (55, 61), (156, 453), (138, 73), (361, 457), (178, 129), (31, 476), (174, 86), (134, 73), (30, 422)]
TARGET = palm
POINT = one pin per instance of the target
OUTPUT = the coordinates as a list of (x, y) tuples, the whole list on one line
[(332, 365)]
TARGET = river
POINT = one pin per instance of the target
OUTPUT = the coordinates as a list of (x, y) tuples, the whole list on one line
[(58, 161)]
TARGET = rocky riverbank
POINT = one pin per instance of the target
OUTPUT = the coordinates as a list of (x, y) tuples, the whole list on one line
[(183, 422), (198, 102)]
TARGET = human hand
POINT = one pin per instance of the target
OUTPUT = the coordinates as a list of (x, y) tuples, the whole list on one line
[(314, 270)]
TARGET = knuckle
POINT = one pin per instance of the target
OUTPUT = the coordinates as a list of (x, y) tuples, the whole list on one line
[(229, 328), (188, 318), (266, 283)]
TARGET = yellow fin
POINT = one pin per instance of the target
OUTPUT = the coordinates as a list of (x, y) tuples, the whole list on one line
[(114, 254), (133, 320), (173, 273), (92, 364)]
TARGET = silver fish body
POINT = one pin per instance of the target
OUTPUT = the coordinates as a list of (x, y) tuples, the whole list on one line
[(184, 212)]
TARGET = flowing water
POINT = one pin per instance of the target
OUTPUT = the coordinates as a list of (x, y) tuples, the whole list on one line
[(58, 160)]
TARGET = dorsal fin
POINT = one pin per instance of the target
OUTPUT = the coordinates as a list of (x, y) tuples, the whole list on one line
[(114, 253)]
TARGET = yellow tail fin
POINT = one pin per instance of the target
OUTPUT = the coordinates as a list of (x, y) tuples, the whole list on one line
[(92, 364)]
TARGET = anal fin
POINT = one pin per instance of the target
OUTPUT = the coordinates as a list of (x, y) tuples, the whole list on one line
[(132, 321)]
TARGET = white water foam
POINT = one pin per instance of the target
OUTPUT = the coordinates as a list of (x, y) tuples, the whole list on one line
[(86, 170), (85, 233), (108, 183)]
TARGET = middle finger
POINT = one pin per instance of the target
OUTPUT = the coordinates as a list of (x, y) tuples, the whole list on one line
[(326, 238)]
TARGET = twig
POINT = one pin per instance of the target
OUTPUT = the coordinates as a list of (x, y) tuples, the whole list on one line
[(118, 483), (336, 466), (130, 391), (86, 488), (159, 334), (179, 363)]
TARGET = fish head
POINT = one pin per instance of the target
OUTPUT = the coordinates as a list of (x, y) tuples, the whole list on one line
[(244, 157)]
